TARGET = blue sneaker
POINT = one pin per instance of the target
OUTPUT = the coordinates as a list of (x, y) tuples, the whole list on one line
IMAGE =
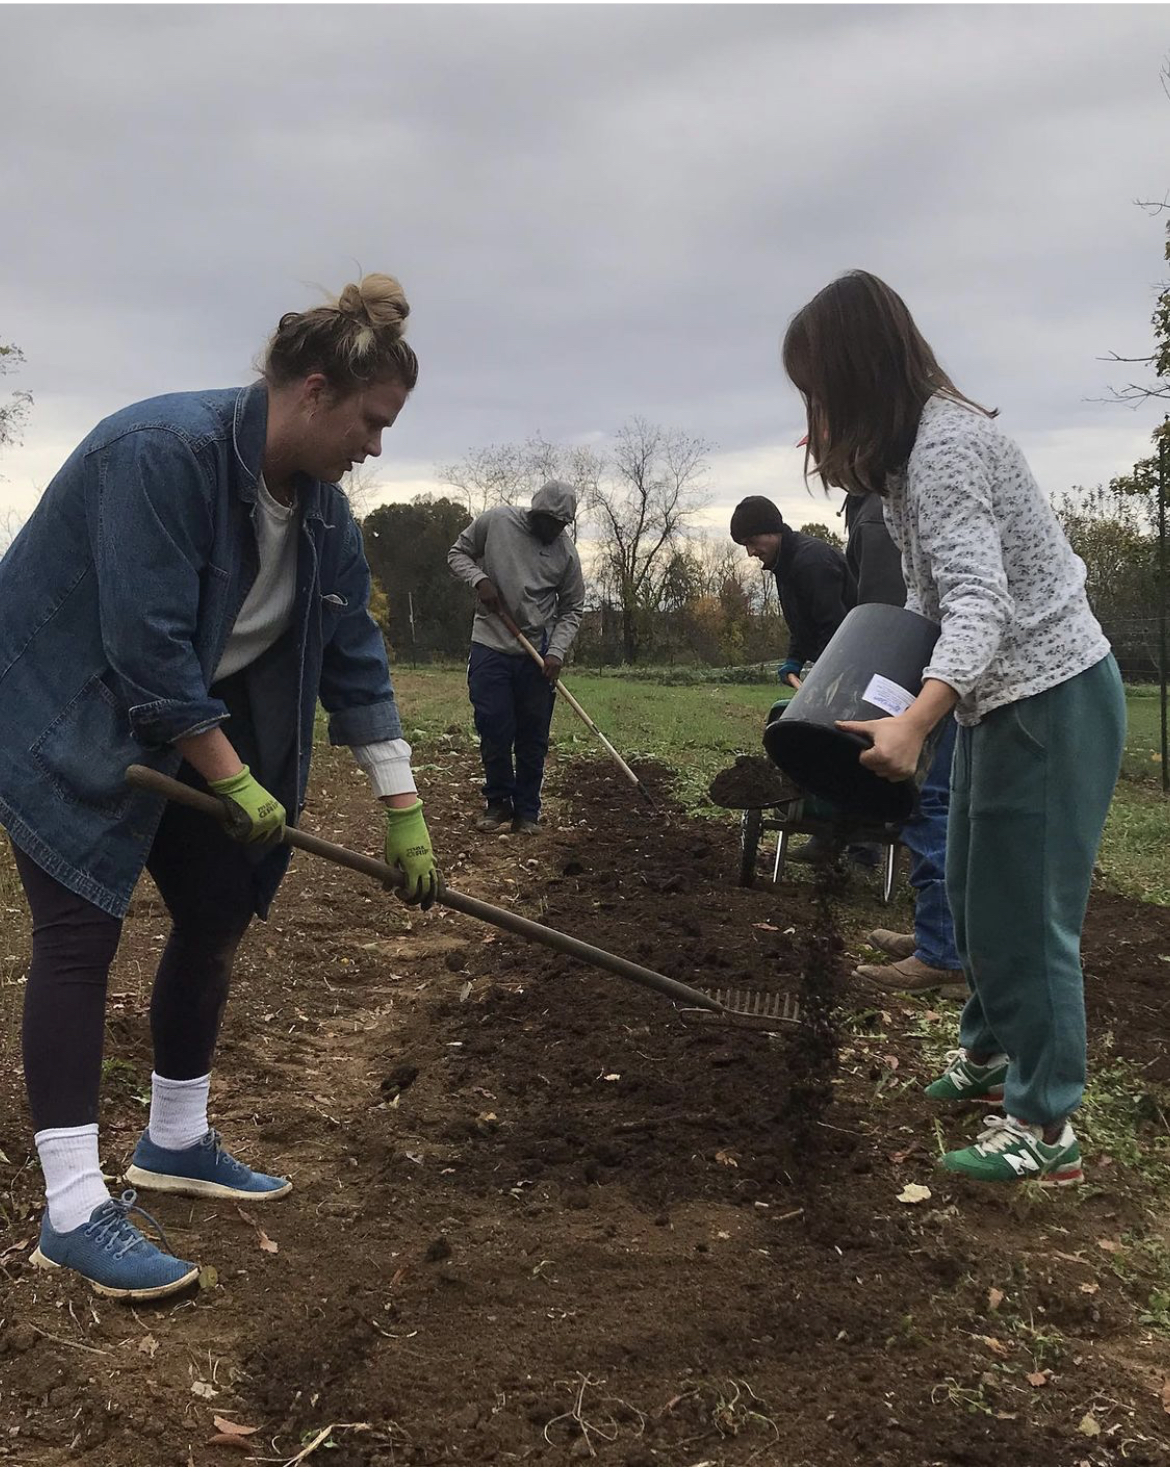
[(202, 1170), (112, 1256)]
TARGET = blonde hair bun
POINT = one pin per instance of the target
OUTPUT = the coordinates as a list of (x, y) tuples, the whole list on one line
[(354, 340), (376, 301)]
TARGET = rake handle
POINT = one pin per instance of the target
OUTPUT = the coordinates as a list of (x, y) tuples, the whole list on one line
[(504, 920), (514, 629)]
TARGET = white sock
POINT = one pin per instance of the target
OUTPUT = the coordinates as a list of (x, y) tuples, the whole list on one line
[(74, 1185), (178, 1111)]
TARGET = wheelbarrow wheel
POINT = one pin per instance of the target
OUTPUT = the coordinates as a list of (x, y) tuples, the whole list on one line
[(751, 826)]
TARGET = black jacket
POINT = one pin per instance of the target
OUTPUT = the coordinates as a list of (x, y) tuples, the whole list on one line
[(816, 591), (872, 554)]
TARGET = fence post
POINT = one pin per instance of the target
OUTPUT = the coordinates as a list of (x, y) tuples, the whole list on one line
[(1162, 598)]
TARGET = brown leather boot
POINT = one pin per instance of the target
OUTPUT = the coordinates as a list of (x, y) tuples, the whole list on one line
[(893, 943), (911, 975)]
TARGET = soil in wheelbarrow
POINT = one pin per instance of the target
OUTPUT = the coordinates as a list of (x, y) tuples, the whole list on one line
[(543, 1217), (751, 782)]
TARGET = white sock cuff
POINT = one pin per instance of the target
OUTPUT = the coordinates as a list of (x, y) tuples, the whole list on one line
[(176, 1084), (65, 1133), (74, 1184), (178, 1111)]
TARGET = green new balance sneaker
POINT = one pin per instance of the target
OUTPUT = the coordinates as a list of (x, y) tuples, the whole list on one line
[(1009, 1150), (969, 1083)]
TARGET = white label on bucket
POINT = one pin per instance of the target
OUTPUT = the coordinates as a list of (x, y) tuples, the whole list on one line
[(887, 695)]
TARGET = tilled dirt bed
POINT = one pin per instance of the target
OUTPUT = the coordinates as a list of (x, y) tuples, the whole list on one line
[(541, 1216)]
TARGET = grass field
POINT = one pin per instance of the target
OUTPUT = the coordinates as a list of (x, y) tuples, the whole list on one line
[(698, 729)]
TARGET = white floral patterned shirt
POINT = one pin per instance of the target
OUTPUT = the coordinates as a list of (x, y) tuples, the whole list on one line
[(984, 556)]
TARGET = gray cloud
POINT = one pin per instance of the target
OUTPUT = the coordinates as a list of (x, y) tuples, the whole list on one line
[(597, 211)]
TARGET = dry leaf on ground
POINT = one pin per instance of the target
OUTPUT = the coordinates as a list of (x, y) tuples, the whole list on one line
[(913, 1192), (994, 1298), (266, 1243), (233, 1429)]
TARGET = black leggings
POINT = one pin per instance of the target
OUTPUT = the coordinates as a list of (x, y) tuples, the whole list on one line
[(206, 882)]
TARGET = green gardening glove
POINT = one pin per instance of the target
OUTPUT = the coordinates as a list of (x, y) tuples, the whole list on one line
[(252, 815), (408, 846)]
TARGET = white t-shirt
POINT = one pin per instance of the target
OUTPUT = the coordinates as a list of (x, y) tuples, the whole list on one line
[(267, 612), (268, 608)]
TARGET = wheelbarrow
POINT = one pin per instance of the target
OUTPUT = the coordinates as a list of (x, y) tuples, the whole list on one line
[(805, 815), (770, 803)]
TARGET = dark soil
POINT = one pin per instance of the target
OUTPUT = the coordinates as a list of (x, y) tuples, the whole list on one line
[(543, 1217), (751, 782)]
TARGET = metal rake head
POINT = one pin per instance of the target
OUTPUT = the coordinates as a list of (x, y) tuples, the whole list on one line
[(757, 1004)]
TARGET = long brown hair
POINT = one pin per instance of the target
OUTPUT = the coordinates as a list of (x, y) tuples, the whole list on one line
[(865, 372)]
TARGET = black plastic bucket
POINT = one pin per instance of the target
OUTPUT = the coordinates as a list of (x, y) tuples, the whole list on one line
[(872, 667)]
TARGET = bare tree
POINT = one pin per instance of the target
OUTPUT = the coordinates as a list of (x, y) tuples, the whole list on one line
[(496, 475), (639, 503), (13, 412), (1157, 362), (10, 524), (363, 490)]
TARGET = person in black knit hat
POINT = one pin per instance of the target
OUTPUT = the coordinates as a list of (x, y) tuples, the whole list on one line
[(813, 581), (816, 590)]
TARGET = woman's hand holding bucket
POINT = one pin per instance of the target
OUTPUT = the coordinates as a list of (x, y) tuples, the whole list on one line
[(897, 741), (896, 745)]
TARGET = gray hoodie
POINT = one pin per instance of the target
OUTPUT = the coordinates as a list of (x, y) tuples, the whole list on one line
[(542, 586)]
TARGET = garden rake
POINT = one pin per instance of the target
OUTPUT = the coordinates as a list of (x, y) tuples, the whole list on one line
[(763, 1010)]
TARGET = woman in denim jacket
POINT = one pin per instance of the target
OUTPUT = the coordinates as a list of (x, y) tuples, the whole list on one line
[(1022, 662), (191, 584)]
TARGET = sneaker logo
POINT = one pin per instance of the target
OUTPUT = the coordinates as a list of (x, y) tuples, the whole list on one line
[(1020, 1162)]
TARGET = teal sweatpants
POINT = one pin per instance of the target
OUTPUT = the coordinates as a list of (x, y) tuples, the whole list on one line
[(1030, 789)]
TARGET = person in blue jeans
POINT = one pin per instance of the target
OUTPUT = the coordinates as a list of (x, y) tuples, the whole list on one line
[(525, 564), (190, 585), (1022, 663), (926, 959)]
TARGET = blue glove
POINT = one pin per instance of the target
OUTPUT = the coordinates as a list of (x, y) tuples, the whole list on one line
[(789, 667)]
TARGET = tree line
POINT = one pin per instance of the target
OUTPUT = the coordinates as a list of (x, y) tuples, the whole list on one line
[(660, 591)]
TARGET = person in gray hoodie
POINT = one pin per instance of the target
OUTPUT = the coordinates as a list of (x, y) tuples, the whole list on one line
[(525, 564)]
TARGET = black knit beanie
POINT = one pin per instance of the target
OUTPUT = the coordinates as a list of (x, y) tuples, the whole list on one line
[(753, 515)]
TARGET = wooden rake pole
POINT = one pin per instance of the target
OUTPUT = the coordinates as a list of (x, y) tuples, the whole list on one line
[(517, 633), (504, 920)]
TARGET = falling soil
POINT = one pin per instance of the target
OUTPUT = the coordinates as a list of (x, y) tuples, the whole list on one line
[(813, 1055), (751, 782), (542, 1217)]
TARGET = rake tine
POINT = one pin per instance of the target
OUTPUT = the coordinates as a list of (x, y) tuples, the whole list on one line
[(757, 1004)]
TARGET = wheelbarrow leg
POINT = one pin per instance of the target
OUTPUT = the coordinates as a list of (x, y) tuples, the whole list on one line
[(891, 867), (751, 826), (781, 853)]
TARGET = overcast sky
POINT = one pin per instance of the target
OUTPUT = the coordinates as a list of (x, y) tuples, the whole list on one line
[(596, 211)]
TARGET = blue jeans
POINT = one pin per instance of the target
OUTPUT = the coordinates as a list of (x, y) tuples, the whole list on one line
[(926, 838), (513, 705)]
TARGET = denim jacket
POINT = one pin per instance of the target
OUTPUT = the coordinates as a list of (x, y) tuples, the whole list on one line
[(116, 600)]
